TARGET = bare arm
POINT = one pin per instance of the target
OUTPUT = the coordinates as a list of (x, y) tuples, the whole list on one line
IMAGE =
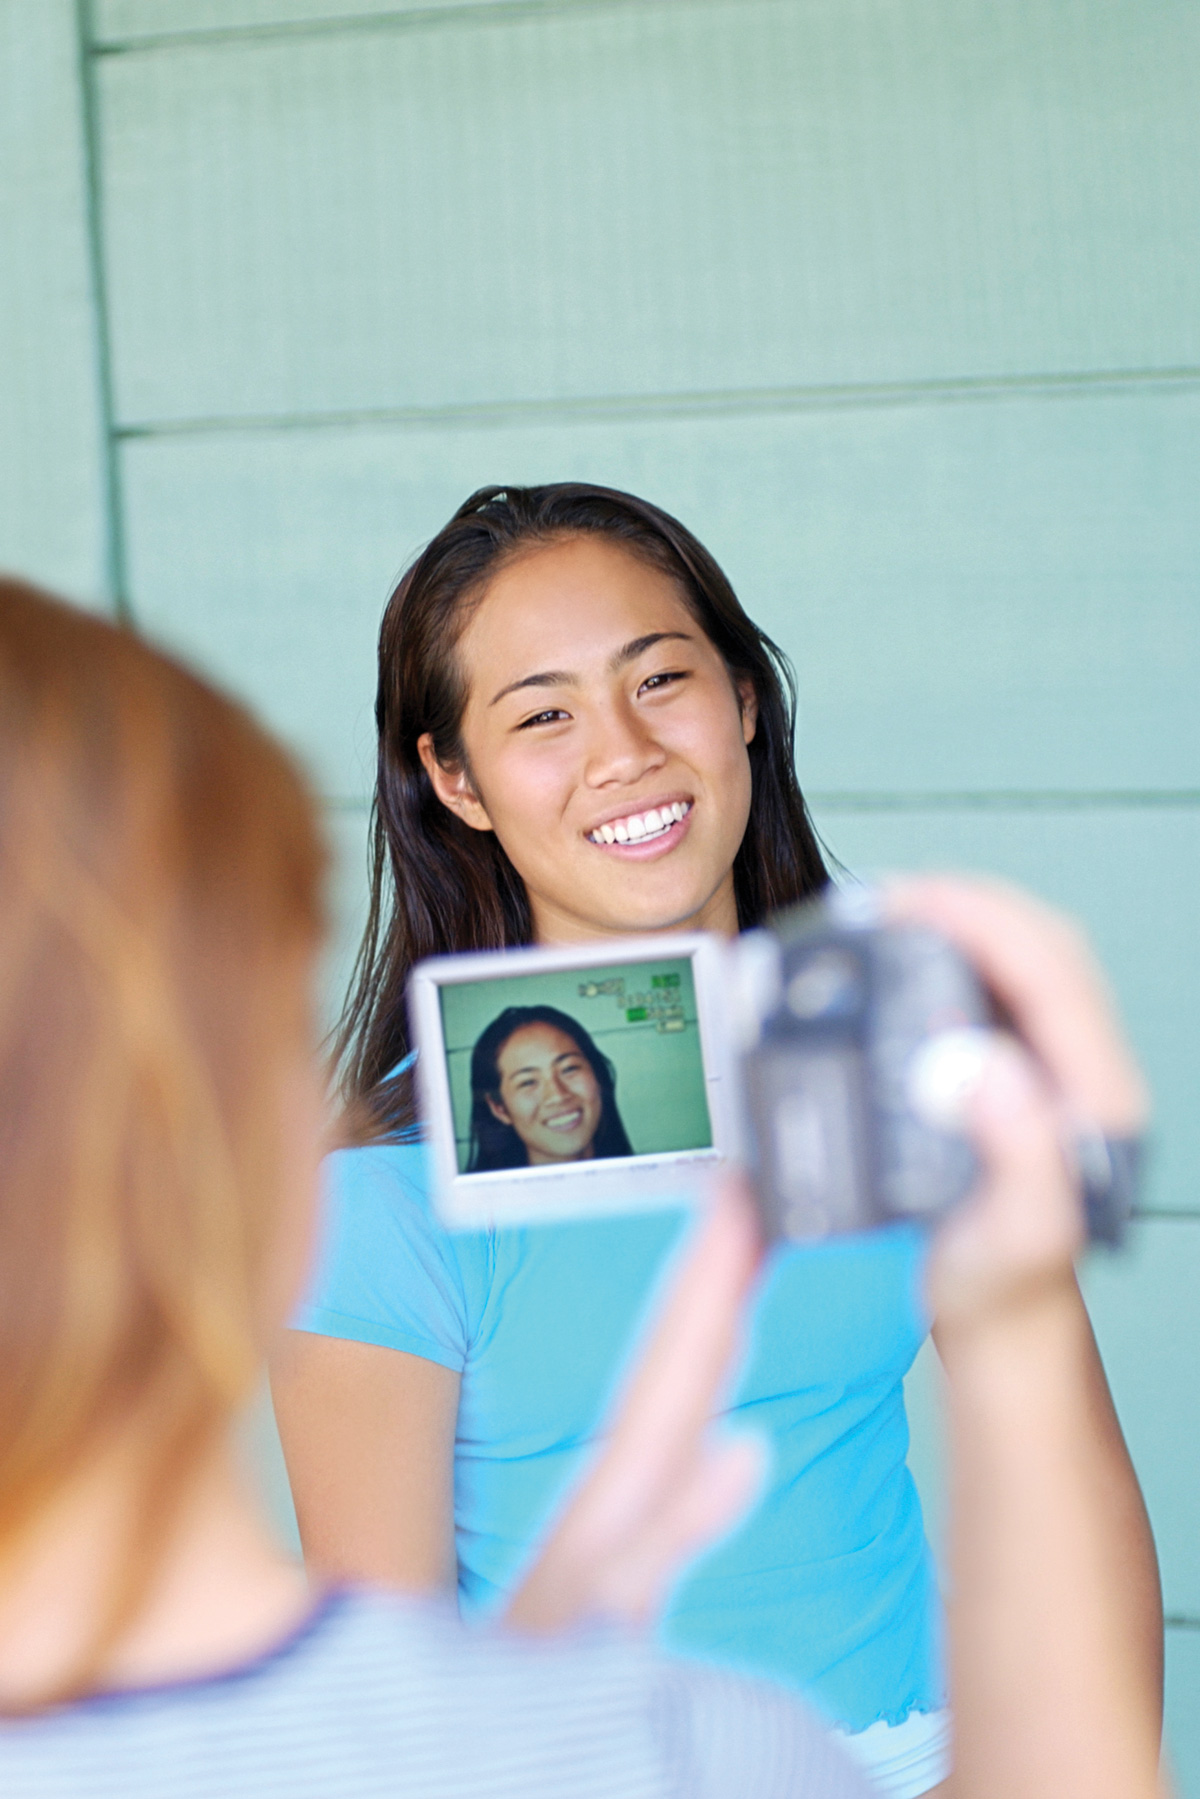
[(368, 1436), (1133, 1559), (1055, 1660)]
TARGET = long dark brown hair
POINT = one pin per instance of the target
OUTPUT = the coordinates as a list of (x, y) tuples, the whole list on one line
[(437, 886)]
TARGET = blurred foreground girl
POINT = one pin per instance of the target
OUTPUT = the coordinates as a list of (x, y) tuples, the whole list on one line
[(160, 875)]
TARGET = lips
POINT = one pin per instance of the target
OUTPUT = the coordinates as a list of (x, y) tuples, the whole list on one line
[(642, 827), (565, 1121)]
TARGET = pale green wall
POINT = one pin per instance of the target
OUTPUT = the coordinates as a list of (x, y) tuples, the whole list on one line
[(896, 301)]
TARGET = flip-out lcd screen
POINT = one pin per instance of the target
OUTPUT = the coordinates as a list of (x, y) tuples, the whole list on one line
[(554, 1082)]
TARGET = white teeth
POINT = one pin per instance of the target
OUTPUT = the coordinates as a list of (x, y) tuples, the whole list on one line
[(641, 825)]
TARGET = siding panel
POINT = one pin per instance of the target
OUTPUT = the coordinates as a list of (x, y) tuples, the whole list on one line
[(990, 595), (128, 21), (1183, 1710), (653, 199), (1143, 1306), (51, 488)]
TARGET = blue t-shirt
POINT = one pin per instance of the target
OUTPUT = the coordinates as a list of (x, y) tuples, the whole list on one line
[(829, 1585)]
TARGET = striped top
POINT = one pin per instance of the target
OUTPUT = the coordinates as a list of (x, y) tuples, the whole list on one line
[(378, 1696)]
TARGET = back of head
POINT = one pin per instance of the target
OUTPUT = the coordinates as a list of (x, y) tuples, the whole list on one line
[(160, 873)]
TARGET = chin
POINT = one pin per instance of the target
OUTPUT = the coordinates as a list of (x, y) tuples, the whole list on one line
[(661, 914)]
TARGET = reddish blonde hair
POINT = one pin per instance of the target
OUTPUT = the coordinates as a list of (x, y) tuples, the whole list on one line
[(160, 880)]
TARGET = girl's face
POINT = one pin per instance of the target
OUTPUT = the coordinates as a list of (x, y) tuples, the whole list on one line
[(606, 745), (548, 1094)]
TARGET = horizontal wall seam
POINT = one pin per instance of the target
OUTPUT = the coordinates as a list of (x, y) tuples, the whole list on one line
[(742, 401), (416, 18), (1015, 800), (1180, 1621)]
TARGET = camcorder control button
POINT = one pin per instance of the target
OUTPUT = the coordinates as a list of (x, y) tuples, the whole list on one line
[(944, 1073)]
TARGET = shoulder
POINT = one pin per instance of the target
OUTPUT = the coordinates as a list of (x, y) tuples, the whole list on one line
[(375, 1203), (381, 1173), (385, 1270), (373, 1684)]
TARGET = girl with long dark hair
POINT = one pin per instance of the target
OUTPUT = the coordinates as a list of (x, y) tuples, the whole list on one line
[(541, 1092), (582, 734)]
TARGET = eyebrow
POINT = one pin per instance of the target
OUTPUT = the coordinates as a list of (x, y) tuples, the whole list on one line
[(559, 677)]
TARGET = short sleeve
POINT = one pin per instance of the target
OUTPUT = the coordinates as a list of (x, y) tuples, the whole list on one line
[(385, 1272)]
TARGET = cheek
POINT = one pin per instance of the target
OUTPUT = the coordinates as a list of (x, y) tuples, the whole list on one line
[(712, 735), (515, 1103), (524, 784), (588, 1089)]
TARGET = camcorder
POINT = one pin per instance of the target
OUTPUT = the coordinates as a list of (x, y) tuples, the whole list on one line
[(829, 1054)]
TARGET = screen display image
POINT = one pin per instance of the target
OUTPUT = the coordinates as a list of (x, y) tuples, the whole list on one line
[(575, 1065)]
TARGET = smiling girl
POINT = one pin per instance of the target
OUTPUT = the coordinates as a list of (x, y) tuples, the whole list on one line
[(581, 735), (541, 1092)]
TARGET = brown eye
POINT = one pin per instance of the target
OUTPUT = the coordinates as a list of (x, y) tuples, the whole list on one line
[(542, 718), (654, 683)]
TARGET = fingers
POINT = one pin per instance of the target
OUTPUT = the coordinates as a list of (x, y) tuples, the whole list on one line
[(709, 1498), (1040, 968), (729, 1477), (1023, 1227)]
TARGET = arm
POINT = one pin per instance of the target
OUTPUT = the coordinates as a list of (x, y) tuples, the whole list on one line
[(1134, 1560), (1055, 1663), (368, 1437)]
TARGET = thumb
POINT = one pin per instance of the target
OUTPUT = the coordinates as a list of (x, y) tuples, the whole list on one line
[(1011, 1115)]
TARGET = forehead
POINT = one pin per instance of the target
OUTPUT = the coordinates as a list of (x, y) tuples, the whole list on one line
[(534, 1043), (568, 604)]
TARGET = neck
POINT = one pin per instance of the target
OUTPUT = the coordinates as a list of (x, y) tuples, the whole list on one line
[(222, 1593), (553, 925)]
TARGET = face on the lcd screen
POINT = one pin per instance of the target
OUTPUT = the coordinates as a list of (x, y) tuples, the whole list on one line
[(548, 1093), (575, 1065)]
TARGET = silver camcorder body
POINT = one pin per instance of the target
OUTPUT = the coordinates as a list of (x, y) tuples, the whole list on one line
[(830, 1054), (857, 1039)]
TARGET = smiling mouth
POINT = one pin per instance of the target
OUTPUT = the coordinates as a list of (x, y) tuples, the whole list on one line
[(565, 1121), (642, 827)]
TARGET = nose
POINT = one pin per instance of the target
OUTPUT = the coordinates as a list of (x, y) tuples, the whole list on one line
[(620, 749)]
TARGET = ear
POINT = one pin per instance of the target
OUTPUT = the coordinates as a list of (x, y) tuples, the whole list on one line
[(497, 1110), (453, 787), (748, 700)]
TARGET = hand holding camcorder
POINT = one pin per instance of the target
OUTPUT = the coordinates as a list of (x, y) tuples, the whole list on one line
[(830, 1054)]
